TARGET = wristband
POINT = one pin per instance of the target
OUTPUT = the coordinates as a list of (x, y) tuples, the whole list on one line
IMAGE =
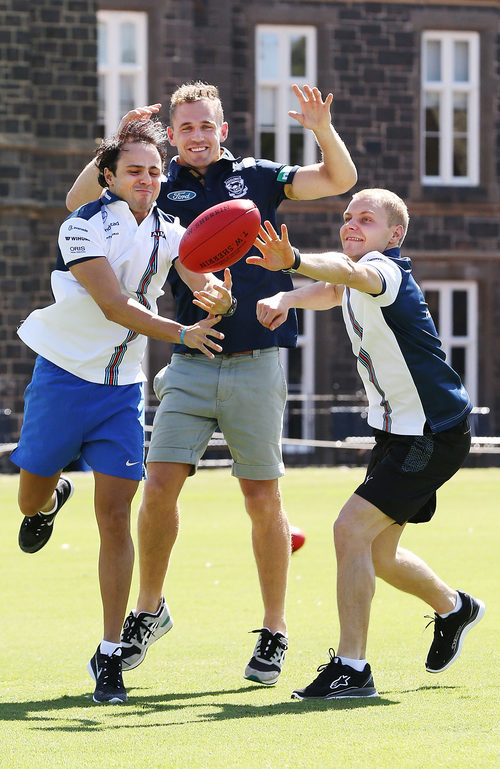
[(181, 338), (296, 261), (232, 309)]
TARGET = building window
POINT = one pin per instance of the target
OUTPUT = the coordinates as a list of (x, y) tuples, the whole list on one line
[(453, 306), (450, 108), (299, 366), (285, 55), (122, 66)]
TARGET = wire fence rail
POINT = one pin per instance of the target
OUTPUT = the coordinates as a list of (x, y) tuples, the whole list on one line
[(480, 444)]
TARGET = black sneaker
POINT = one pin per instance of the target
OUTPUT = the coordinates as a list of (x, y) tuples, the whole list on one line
[(36, 530), (449, 633), (140, 631), (107, 673), (337, 680), (268, 657)]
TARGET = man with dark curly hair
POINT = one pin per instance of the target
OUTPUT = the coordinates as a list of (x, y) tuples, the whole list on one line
[(86, 395)]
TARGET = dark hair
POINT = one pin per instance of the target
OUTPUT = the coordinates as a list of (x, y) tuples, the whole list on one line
[(137, 131)]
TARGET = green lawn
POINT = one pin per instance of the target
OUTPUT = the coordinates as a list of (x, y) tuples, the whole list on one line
[(189, 706)]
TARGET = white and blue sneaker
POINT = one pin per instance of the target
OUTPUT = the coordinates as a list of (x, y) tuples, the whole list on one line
[(142, 630)]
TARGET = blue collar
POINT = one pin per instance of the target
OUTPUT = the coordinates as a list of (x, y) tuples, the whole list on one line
[(394, 253), (404, 262)]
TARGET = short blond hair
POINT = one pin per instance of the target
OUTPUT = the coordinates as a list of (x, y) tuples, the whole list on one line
[(196, 91), (397, 212)]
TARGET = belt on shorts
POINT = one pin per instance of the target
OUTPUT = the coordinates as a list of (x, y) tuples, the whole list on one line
[(221, 354)]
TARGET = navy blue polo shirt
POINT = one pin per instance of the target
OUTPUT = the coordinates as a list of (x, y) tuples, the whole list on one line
[(186, 194)]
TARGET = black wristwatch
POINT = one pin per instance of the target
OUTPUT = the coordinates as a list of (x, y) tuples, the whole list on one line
[(296, 262), (232, 309)]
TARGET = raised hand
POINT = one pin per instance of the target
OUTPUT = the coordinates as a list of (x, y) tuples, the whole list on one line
[(276, 253), (315, 113), (139, 113), (217, 303)]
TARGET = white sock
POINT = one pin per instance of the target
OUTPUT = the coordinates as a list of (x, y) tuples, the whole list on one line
[(109, 648), (49, 512), (458, 606), (358, 665)]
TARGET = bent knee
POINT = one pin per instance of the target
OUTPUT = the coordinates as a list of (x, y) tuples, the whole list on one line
[(349, 530), (343, 532)]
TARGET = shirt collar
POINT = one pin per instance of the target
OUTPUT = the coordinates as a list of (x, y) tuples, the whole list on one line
[(175, 168), (108, 197), (394, 253)]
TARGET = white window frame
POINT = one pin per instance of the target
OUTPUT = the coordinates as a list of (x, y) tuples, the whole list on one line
[(307, 387), (283, 87), (445, 289), (445, 89), (112, 69)]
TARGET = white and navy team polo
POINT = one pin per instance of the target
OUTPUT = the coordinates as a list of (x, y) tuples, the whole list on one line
[(73, 332), (399, 355)]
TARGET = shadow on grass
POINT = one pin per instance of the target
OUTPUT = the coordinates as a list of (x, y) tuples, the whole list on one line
[(425, 688), (42, 713)]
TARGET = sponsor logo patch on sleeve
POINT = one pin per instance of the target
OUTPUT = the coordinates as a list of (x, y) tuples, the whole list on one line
[(284, 174)]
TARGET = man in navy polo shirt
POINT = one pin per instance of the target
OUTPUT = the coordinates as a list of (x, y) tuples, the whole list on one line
[(243, 392)]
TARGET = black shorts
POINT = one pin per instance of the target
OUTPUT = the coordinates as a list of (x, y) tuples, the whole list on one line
[(405, 470)]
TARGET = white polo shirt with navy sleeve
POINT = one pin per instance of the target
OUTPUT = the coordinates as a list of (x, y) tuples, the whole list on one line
[(73, 332)]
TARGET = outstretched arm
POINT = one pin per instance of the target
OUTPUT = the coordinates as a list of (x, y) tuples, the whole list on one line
[(273, 310), (97, 277), (86, 187), (331, 267), (336, 173)]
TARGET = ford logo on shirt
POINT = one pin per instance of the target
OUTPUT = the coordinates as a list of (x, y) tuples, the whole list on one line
[(181, 195)]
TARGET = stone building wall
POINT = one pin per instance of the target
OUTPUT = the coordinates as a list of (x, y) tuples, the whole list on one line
[(368, 55)]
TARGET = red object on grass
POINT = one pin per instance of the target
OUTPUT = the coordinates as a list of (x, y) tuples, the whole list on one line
[(298, 538)]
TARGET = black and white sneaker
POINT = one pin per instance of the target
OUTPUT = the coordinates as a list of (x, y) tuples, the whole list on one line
[(107, 673), (140, 631), (337, 680), (449, 633), (268, 657), (36, 530)]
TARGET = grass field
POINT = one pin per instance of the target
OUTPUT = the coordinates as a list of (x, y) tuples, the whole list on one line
[(189, 706)]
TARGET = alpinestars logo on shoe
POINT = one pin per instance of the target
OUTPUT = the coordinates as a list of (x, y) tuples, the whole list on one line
[(341, 681)]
